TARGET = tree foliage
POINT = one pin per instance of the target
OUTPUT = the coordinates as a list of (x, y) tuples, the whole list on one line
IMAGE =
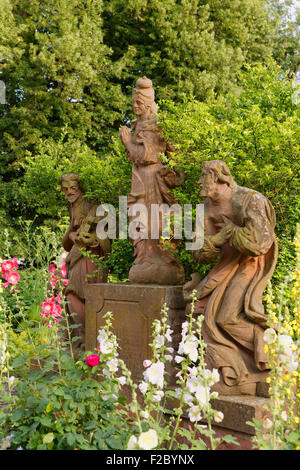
[(69, 67)]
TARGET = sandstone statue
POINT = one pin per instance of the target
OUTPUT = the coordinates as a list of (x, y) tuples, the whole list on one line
[(238, 234), (80, 269), (152, 182)]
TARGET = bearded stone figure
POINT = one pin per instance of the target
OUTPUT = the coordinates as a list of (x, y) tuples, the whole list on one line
[(81, 234), (152, 183), (239, 233)]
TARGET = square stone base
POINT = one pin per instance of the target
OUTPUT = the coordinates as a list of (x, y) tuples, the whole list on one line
[(134, 307)]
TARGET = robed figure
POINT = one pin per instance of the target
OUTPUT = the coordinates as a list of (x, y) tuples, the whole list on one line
[(238, 234), (152, 183), (82, 244)]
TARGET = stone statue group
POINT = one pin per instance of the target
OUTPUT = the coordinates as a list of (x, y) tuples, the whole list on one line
[(238, 238)]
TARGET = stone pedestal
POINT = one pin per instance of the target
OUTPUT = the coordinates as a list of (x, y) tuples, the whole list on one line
[(134, 307)]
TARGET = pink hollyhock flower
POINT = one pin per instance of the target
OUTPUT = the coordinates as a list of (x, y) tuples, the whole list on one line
[(92, 360), (9, 265), (63, 270), (57, 310), (13, 277), (53, 280), (5, 285), (52, 268), (47, 307), (58, 298), (65, 282)]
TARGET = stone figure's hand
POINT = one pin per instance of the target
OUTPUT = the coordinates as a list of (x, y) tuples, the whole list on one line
[(125, 135), (221, 237), (85, 238)]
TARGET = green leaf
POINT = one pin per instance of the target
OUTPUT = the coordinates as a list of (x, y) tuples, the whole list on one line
[(71, 438), (17, 415), (230, 439), (48, 438), (45, 421)]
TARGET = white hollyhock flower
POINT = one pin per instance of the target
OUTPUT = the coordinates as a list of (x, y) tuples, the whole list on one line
[(158, 395), (145, 414), (155, 374), (184, 327), (168, 334), (285, 340), (177, 392), (290, 364), (285, 344), (102, 336), (179, 359), (106, 347), (188, 398), (122, 380), (143, 387), (147, 363), (211, 376), (190, 349), (179, 375), (132, 443), (148, 440), (270, 336), (267, 423), (170, 350), (284, 415), (113, 365), (169, 358), (219, 416), (215, 376), (202, 395), (194, 414), (193, 371), (157, 327), (194, 383), (159, 341)]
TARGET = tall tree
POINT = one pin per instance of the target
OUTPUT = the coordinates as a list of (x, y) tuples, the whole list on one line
[(193, 47)]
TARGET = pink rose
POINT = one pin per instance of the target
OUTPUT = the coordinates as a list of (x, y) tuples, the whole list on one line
[(92, 360)]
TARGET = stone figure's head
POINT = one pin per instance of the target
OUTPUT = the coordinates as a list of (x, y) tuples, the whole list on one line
[(215, 174), (70, 185), (143, 98)]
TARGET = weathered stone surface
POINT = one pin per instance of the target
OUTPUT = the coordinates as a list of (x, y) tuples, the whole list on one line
[(134, 308), (237, 411), (262, 389)]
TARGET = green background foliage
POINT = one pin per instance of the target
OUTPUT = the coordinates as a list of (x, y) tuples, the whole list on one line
[(69, 68)]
